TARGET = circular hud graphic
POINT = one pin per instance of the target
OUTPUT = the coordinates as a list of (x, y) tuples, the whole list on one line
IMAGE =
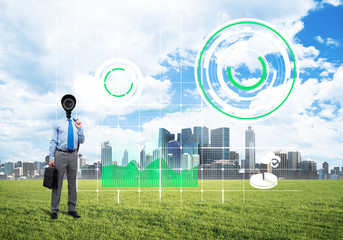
[(246, 69), (120, 81)]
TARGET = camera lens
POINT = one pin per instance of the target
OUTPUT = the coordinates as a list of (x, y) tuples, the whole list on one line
[(68, 102)]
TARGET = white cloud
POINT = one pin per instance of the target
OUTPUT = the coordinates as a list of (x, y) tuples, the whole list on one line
[(319, 39), (308, 57), (194, 93), (335, 3), (328, 41), (156, 94)]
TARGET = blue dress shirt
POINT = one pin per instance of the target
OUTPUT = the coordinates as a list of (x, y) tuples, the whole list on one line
[(60, 136)]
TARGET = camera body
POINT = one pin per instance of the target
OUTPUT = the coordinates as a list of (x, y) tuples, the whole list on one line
[(68, 102)]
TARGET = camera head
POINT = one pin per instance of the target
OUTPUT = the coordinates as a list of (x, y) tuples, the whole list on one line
[(68, 103)]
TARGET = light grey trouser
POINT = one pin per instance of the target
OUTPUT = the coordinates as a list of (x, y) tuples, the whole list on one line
[(65, 161)]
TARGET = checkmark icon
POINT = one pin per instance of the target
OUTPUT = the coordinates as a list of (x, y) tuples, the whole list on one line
[(275, 162)]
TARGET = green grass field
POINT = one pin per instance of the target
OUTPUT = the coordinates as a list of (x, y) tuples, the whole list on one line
[(314, 212)]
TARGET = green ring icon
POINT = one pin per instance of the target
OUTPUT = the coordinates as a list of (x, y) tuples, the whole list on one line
[(198, 71), (109, 92), (263, 77)]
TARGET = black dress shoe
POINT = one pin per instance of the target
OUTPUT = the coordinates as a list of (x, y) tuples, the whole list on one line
[(74, 214), (54, 215)]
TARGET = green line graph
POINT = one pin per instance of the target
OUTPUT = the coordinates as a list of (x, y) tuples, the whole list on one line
[(176, 110), (151, 176)]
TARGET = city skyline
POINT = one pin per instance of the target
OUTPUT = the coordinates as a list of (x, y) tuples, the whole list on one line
[(170, 98)]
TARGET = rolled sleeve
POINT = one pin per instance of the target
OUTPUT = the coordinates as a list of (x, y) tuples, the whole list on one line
[(80, 135), (53, 143)]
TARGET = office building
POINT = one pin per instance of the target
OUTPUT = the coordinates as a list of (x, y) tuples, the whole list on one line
[(185, 161), (320, 174), (125, 158), (28, 169), (206, 155), (308, 169), (142, 159), (265, 168), (308, 165), (20, 164), (82, 160), (47, 158), (148, 159), (174, 148), (234, 157), (249, 149), (188, 141), (156, 154), (184, 137), (281, 170), (8, 168), (194, 160), (190, 147), (106, 153), (293, 160), (203, 134), (336, 170), (164, 136), (220, 143), (18, 172), (204, 142), (170, 161), (325, 167), (37, 166)]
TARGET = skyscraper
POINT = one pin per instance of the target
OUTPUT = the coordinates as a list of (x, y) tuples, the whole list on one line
[(46, 160), (156, 154), (308, 168), (148, 159), (8, 168), (185, 161), (142, 159), (326, 168), (173, 148), (106, 153), (281, 170), (170, 161), (190, 147), (204, 143), (249, 149), (220, 143), (203, 134), (194, 160), (185, 134), (294, 158), (337, 171), (188, 141), (164, 136), (125, 159)]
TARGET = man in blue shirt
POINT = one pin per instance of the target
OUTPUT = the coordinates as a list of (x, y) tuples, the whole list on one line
[(66, 136)]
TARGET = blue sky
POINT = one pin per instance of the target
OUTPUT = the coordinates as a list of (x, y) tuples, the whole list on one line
[(49, 49)]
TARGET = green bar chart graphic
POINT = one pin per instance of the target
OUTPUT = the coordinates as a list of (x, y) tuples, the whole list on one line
[(153, 175)]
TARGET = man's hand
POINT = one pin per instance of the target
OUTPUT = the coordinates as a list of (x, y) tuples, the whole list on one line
[(51, 163), (78, 124)]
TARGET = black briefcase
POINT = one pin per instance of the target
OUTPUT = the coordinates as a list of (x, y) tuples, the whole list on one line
[(51, 178)]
